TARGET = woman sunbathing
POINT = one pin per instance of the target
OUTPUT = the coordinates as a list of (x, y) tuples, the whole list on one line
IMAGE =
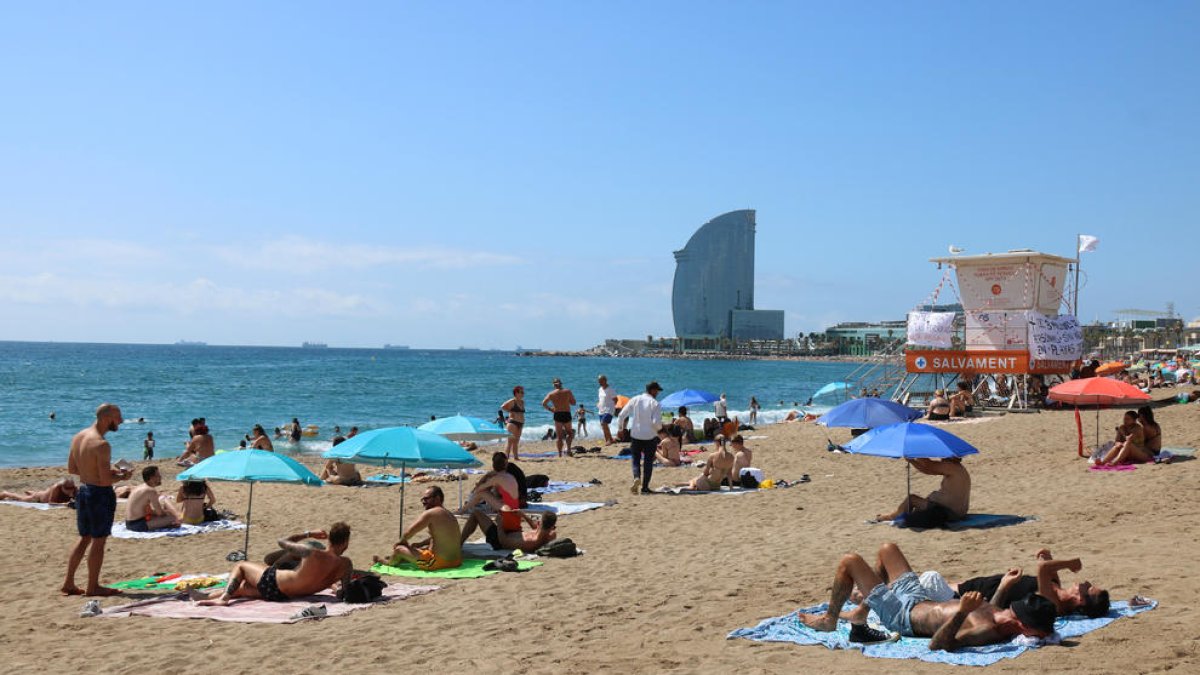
[(1130, 444), (60, 493), (718, 468)]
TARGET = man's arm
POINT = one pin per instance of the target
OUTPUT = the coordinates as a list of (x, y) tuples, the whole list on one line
[(1006, 583), (347, 575), (947, 636), (1047, 578), (292, 545), (546, 402), (571, 394), (420, 524)]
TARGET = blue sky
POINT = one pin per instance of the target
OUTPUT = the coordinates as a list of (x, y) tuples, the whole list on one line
[(493, 174)]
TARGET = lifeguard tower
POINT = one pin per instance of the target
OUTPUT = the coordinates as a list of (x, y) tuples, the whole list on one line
[(1010, 326)]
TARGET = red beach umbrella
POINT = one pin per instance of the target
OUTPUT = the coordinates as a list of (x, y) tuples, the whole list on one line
[(1097, 391)]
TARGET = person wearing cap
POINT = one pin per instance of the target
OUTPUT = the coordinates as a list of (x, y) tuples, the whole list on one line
[(644, 414), (905, 608)]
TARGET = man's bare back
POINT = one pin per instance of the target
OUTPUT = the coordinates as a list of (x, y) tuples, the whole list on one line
[(318, 571), (201, 446)]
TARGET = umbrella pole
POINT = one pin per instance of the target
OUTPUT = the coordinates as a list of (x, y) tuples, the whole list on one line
[(401, 536), (908, 497), (249, 508)]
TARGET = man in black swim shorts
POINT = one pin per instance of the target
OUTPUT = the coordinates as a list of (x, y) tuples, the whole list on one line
[(560, 402)]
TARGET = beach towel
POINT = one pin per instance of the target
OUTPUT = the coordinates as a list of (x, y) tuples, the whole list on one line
[(119, 531), (973, 521), (388, 479), (481, 549), (33, 505), (559, 486), (565, 508), (257, 611), (539, 455), (1112, 467), (787, 628), (471, 568), (685, 491), (167, 582)]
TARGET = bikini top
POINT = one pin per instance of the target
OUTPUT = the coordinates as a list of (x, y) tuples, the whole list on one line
[(516, 408)]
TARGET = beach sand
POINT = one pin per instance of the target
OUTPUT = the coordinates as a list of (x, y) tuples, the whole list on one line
[(664, 578)]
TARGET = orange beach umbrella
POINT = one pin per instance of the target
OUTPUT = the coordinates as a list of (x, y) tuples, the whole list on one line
[(1110, 368), (1097, 391)]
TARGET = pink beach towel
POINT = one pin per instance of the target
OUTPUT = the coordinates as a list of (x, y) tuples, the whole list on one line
[(256, 611), (1113, 467)]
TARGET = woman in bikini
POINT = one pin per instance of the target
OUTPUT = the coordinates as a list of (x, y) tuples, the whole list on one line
[(515, 407), (939, 407), (1151, 432), (1130, 446), (191, 499)]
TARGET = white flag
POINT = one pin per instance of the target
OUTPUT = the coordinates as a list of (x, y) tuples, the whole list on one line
[(1087, 243)]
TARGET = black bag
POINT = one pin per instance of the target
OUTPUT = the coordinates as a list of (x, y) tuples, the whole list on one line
[(562, 548), (365, 588), (211, 514), (749, 482)]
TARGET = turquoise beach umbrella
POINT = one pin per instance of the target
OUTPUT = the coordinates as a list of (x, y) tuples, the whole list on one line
[(403, 447), (250, 466), (463, 428)]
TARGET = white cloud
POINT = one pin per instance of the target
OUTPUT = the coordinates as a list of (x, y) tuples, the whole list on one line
[(301, 254)]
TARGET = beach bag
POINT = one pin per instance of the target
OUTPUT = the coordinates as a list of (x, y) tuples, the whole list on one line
[(750, 478), (363, 589), (562, 548), (211, 514)]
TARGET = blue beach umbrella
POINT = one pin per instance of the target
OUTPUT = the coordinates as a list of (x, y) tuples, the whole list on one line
[(404, 447), (838, 390), (463, 428), (910, 440), (686, 397), (250, 466), (868, 413)]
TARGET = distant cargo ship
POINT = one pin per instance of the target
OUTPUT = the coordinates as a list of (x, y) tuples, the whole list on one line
[(190, 343), (469, 349), (395, 346), (315, 345), (529, 349)]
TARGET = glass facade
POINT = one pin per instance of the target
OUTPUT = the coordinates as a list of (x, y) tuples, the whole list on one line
[(714, 275)]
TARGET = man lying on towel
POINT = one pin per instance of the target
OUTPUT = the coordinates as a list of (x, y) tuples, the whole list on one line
[(500, 539), (905, 608), (442, 550), (318, 570), (1003, 589)]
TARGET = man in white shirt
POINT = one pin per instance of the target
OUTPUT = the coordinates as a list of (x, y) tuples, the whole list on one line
[(645, 415), (721, 409), (606, 407)]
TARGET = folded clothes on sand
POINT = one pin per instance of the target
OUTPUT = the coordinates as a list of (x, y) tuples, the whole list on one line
[(258, 611), (471, 568), (119, 531), (32, 505), (788, 628)]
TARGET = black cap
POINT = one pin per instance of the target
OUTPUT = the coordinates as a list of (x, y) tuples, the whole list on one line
[(1036, 612), (653, 385)]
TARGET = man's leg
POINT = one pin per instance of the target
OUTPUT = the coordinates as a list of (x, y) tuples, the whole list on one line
[(913, 503), (648, 455), (76, 557), (851, 571), (604, 426), (635, 452), (475, 519), (891, 563), (95, 562), (243, 583)]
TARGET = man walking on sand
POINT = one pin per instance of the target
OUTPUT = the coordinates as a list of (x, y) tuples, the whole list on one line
[(96, 504), (645, 414)]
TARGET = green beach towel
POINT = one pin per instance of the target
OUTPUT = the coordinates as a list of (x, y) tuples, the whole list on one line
[(471, 568), (151, 583)]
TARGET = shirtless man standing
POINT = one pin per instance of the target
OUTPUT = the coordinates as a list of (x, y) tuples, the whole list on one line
[(96, 504), (60, 493), (145, 512), (904, 607), (318, 570), (948, 503), (559, 402), (442, 550)]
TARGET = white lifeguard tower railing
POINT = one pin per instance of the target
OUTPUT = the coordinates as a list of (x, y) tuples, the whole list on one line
[(1010, 328)]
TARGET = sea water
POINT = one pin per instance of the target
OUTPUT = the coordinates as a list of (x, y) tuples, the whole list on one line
[(235, 388)]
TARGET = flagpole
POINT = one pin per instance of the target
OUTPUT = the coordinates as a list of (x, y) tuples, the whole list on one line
[(1078, 259)]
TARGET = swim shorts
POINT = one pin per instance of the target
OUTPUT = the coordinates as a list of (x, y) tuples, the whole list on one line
[(95, 506), (606, 418), (137, 525), (268, 586), (430, 561), (492, 535), (563, 417), (893, 605)]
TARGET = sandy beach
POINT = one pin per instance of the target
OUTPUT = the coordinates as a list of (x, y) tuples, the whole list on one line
[(665, 578)]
